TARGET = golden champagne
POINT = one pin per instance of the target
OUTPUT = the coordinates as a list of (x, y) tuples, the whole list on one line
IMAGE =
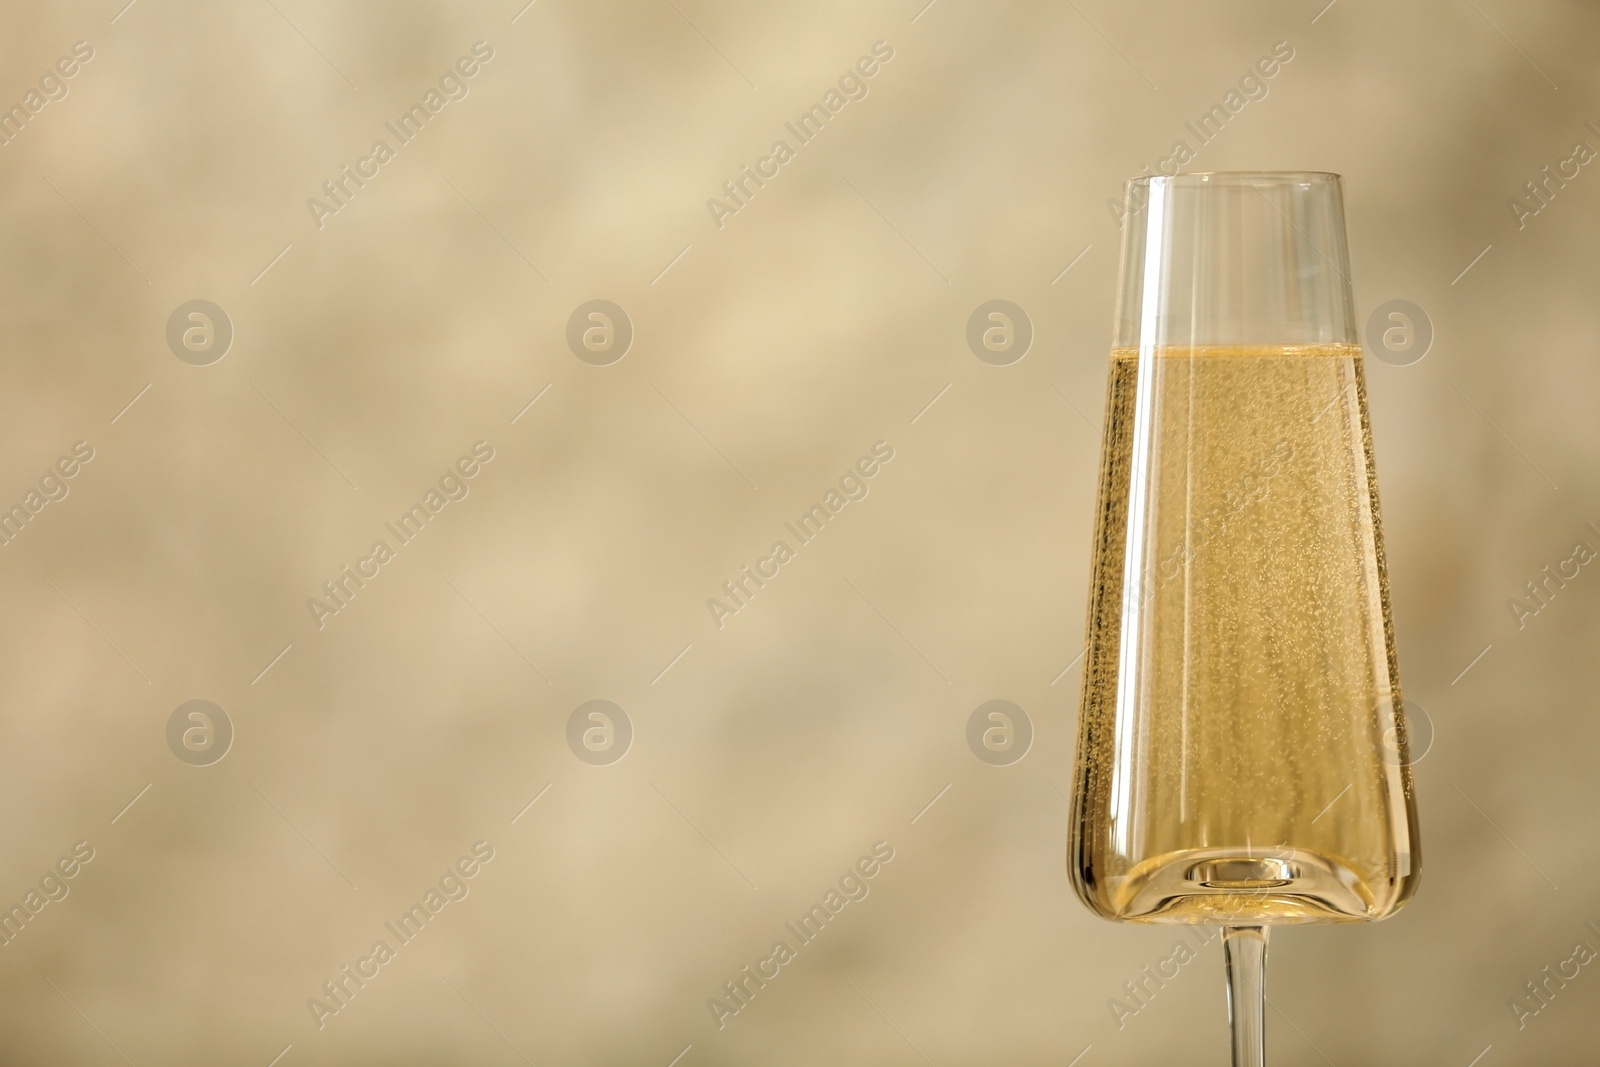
[(1241, 758)]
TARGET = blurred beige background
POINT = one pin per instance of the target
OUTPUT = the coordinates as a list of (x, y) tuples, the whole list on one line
[(767, 756)]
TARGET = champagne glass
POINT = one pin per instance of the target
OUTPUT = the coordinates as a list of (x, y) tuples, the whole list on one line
[(1242, 754)]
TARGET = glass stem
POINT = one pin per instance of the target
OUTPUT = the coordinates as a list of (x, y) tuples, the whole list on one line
[(1245, 951)]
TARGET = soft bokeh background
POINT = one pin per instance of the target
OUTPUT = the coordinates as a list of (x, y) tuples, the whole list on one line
[(822, 318)]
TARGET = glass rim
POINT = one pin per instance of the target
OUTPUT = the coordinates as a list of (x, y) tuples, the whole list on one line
[(1238, 177)]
